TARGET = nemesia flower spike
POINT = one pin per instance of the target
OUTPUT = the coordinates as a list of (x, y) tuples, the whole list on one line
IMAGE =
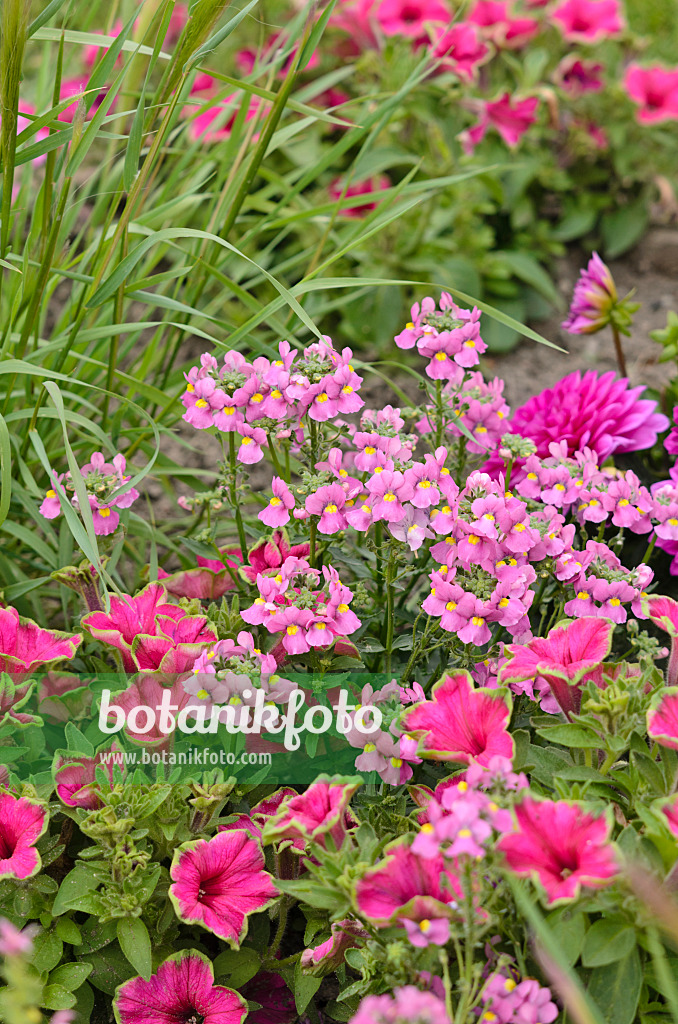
[(22, 822), (102, 482), (218, 883), (564, 846), (408, 1005), (461, 723), (181, 990)]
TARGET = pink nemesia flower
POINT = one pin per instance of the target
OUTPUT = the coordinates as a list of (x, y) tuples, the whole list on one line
[(328, 503), (506, 1001), (461, 723), (406, 1006), (218, 882), (654, 90), (588, 21), (511, 119), (561, 663), (662, 719), (320, 810), (151, 634), (14, 942), (182, 989), (24, 645), (405, 886), (22, 822), (276, 512), (75, 778), (565, 846), (435, 932)]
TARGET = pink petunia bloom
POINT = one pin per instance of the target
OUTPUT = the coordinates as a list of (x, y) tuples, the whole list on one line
[(498, 24), (75, 778), (208, 582), (670, 812), (588, 21), (510, 118), (269, 553), (216, 122), (182, 989), (576, 76), (24, 645), (329, 955), (22, 822), (405, 1005), (461, 723), (410, 18), (218, 883), (151, 634), (561, 663), (406, 886), (367, 187), (310, 816), (563, 845), (277, 512), (459, 49), (654, 90), (662, 719), (148, 692), (76, 87)]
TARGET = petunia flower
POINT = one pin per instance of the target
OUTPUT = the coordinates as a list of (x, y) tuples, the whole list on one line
[(655, 92), (24, 645), (662, 719), (663, 611), (75, 777), (461, 723), (22, 822), (218, 883), (510, 118), (208, 582), (497, 24), (405, 886), (309, 817), (181, 990), (329, 955), (563, 845), (588, 21), (410, 18), (269, 553), (561, 663)]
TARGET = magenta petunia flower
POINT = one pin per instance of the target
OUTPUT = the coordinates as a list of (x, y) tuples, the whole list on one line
[(269, 553), (410, 18), (367, 187), (663, 611), (181, 991), (208, 582), (75, 778), (561, 663), (654, 90), (405, 886), (22, 822), (329, 955), (497, 24), (320, 810), (576, 76), (24, 645), (151, 634), (588, 21), (670, 811), (511, 118), (459, 49), (662, 719), (218, 882), (461, 723), (563, 845)]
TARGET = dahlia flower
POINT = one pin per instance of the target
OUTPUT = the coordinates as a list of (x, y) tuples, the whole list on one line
[(594, 301), (461, 723), (22, 822), (218, 883), (24, 645), (182, 989), (564, 846)]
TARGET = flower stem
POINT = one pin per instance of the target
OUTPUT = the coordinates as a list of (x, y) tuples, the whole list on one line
[(621, 361), (234, 498)]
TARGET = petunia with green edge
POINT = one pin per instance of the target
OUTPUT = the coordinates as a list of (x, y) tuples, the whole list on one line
[(561, 844), (217, 883), (321, 811), (24, 645), (662, 719), (461, 723), (663, 611), (22, 822), (181, 991)]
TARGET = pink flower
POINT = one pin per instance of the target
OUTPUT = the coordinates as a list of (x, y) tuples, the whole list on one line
[(320, 810), (588, 21), (14, 942), (459, 49), (598, 412), (277, 512), (565, 846), (410, 17), (366, 187), (216, 122), (562, 662), (406, 1006), (511, 119), (662, 720), (151, 634), (595, 296), (182, 989), (576, 76), (329, 955), (425, 933), (328, 503), (405, 886), (75, 778), (22, 822), (498, 24), (670, 812), (218, 882), (24, 645), (655, 91), (148, 692), (103, 481), (461, 723), (506, 1001), (210, 581)]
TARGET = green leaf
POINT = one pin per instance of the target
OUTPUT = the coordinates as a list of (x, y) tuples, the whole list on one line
[(47, 950), (305, 987), (135, 942), (70, 976), (5, 470), (68, 931), (237, 966), (55, 997), (616, 988), (77, 883), (570, 736), (570, 928), (606, 941)]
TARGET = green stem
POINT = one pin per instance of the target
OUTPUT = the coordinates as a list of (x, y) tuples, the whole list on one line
[(619, 351), (234, 498)]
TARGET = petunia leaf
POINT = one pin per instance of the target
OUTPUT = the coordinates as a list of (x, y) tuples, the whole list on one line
[(135, 943)]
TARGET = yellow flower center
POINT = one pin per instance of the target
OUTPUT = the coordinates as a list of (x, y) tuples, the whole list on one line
[(331, 509), (201, 404), (104, 513), (478, 621), (275, 502), (51, 494)]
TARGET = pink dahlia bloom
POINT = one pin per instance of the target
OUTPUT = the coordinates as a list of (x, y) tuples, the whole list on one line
[(654, 90), (405, 1006), (561, 663), (588, 411), (461, 723), (218, 883), (595, 296), (588, 21), (511, 118), (182, 989), (151, 634), (406, 886), (564, 846), (75, 778), (22, 822), (308, 817), (662, 720), (24, 645)]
